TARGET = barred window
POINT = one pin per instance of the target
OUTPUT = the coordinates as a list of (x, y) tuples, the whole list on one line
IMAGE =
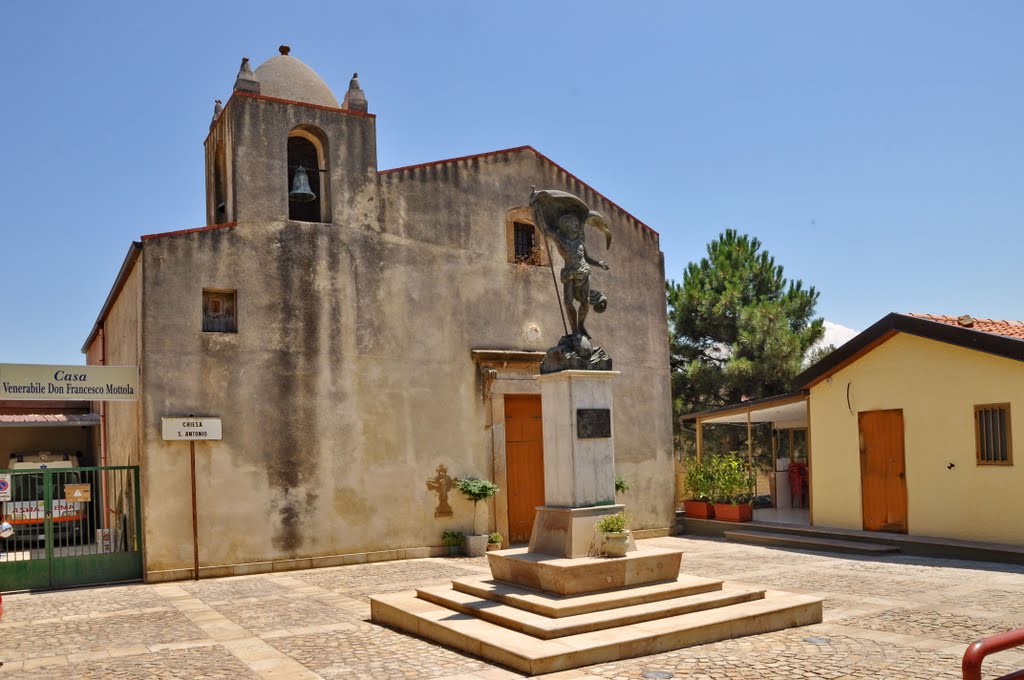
[(525, 243), (219, 311), (992, 434)]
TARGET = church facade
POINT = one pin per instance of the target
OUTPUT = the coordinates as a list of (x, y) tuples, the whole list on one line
[(356, 334)]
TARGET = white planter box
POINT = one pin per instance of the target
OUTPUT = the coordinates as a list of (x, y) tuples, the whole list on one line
[(476, 545)]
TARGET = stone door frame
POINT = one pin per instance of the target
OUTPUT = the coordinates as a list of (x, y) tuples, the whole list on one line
[(502, 372)]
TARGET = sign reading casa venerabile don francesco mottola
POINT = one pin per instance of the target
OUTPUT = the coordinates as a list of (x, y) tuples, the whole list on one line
[(89, 383)]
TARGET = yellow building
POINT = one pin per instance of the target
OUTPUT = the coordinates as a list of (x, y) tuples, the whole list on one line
[(911, 429)]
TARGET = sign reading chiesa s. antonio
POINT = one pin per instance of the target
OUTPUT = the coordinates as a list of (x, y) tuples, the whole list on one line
[(86, 383)]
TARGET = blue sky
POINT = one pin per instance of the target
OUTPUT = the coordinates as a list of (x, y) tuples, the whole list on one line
[(875, 148)]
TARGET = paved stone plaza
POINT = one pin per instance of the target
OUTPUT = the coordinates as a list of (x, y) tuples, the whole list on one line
[(895, 617)]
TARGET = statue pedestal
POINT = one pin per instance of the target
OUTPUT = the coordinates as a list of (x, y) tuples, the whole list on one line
[(579, 461)]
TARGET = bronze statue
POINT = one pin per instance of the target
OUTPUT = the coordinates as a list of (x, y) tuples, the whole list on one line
[(563, 217)]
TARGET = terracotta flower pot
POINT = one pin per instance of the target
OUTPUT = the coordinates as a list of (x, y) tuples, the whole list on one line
[(699, 509), (729, 512)]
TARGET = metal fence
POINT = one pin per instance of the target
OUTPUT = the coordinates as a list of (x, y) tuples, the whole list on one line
[(71, 526)]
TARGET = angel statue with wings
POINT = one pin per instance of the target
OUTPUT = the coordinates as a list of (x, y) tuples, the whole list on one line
[(563, 217)]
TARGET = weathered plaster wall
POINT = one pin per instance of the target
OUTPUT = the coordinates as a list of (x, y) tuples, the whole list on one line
[(937, 386), (455, 212), (255, 133), (121, 340)]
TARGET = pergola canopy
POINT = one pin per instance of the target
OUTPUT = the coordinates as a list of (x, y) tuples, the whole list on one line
[(783, 411)]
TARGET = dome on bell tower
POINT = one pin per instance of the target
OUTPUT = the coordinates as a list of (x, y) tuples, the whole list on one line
[(286, 77)]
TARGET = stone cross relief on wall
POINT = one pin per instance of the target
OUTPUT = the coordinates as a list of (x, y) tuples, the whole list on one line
[(441, 484)]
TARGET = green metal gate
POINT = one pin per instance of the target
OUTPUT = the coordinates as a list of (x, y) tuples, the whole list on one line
[(73, 526)]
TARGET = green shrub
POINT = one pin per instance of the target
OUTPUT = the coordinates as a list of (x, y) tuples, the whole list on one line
[(734, 478), (476, 489), (452, 538), (621, 485), (613, 524), (494, 537), (699, 481)]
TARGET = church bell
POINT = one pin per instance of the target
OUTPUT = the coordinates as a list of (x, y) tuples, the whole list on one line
[(301, 193)]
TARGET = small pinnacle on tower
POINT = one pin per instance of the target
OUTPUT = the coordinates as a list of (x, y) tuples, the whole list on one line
[(284, 49), (246, 80), (355, 100)]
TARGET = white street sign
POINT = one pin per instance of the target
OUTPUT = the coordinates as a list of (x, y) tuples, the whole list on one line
[(80, 383), (181, 428), (5, 487)]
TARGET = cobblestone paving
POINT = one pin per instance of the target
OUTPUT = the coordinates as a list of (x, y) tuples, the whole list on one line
[(207, 663), (793, 654), (892, 617), (365, 577), (275, 613), (47, 605), (837, 580), (226, 590), (1008, 603), (362, 581), (930, 624), (95, 634), (374, 652)]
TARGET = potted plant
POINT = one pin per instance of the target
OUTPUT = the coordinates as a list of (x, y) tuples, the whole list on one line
[(615, 530), (699, 488), (494, 541), (734, 480), (452, 539), (477, 490)]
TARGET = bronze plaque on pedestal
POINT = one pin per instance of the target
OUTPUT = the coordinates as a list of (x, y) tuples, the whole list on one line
[(593, 423)]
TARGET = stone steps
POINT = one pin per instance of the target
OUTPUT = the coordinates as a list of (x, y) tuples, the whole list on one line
[(556, 606), (525, 653), (786, 540), (541, 614), (547, 628)]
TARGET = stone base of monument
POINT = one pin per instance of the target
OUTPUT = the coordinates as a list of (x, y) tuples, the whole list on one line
[(541, 614), (569, 532)]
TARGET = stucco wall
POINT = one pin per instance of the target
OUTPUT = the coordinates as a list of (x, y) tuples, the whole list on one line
[(121, 340), (255, 134), (936, 385), (462, 205)]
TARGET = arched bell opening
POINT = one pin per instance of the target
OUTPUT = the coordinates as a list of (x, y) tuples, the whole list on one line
[(221, 211), (308, 188)]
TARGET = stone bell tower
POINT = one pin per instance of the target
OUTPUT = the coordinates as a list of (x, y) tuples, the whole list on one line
[(282, 120)]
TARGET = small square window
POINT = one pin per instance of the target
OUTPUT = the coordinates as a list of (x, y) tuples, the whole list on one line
[(525, 242), (992, 434), (219, 311)]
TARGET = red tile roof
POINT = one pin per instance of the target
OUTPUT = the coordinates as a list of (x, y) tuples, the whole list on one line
[(1011, 329)]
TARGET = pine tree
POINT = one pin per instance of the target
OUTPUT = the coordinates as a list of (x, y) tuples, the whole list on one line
[(739, 329)]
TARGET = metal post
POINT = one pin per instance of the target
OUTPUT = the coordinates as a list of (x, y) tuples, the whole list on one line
[(700, 441), (195, 515), (551, 264), (750, 440)]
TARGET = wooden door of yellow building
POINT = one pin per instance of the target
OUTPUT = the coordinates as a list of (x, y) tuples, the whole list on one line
[(883, 471), (524, 454)]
